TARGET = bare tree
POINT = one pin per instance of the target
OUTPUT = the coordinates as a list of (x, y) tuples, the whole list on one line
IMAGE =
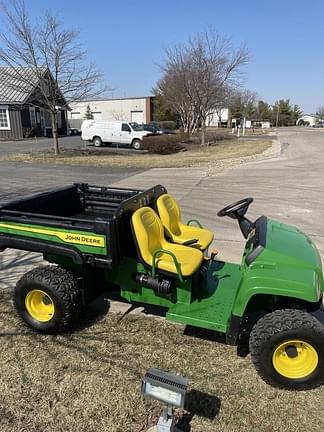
[(55, 59), (197, 76), (174, 86), (243, 103)]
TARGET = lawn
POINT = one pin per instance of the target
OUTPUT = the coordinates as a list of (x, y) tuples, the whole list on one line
[(89, 380), (194, 155)]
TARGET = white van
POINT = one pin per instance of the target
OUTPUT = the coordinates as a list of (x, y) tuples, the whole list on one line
[(100, 132)]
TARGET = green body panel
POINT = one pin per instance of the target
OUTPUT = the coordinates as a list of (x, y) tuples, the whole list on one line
[(204, 301), (135, 292), (212, 297), (84, 241), (289, 266)]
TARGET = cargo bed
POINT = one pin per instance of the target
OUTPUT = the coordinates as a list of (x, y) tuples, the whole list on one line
[(88, 223)]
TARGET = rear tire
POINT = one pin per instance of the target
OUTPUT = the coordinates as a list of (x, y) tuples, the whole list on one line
[(137, 145), (97, 142), (48, 299), (287, 349)]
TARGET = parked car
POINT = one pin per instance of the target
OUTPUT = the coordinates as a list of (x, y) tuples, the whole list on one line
[(154, 129), (100, 132), (75, 126), (74, 131), (150, 127)]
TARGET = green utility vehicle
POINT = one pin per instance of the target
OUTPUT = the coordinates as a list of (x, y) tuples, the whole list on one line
[(268, 305)]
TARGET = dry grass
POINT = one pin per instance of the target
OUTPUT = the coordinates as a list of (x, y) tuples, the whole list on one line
[(89, 380), (195, 155)]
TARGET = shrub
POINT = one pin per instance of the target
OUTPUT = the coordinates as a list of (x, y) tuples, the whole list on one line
[(29, 133), (162, 144), (212, 137)]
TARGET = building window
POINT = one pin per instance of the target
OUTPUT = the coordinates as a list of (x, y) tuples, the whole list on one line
[(32, 116), (4, 118)]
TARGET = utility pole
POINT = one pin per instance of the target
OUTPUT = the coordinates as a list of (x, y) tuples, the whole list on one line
[(277, 116)]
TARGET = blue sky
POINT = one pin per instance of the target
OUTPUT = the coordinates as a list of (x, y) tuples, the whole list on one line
[(125, 39)]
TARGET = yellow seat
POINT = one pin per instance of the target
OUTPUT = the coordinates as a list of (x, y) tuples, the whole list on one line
[(170, 215), (149, 235)]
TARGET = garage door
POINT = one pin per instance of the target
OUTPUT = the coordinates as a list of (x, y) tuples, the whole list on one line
[(137, 116)]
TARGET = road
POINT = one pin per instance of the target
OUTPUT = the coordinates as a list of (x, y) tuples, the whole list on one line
[(20, 179)]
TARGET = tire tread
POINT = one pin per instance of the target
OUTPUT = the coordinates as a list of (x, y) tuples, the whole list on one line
[(277, 322), (65, 286)]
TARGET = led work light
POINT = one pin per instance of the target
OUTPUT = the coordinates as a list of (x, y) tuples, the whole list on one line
[(167, 388)]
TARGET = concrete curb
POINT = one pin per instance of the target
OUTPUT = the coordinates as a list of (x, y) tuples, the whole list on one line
[(220, 166), (179, 181)]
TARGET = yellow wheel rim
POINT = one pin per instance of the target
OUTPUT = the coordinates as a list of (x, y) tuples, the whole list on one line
[(295, 359), (39, 305)]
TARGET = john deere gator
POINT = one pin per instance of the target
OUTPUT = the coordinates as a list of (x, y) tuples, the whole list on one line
[(267, 305)]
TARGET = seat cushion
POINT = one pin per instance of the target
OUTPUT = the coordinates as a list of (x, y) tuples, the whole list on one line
[(204, 236), (189, 259)]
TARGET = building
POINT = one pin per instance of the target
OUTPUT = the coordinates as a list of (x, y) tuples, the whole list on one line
[(136, 109), (22, 112), (219, 118)]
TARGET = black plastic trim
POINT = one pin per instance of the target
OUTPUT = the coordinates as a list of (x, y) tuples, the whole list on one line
[(258, 240), (233, 330)]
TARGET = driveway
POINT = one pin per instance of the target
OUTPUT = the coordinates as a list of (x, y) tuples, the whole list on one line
[(288, 187)]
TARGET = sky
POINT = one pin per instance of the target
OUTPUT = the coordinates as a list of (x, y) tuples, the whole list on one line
[(126, 38)]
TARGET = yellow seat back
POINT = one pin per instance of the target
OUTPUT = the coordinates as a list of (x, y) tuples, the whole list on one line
[(170, 214), (148, 232), (149, 235)]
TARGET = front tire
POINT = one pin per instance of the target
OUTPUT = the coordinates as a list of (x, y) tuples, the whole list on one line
[(97, 142), (287, 349), (48, 299), (137, 145)]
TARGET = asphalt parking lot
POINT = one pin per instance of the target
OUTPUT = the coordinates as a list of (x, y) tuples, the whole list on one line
[(19, 179), (43, 144)]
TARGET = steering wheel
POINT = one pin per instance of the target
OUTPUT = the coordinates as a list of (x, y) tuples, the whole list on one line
[(237, 209)]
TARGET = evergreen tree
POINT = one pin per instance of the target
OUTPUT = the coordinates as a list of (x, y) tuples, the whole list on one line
[(162, 111), (88, 114), (264, 112), (284, 114)]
